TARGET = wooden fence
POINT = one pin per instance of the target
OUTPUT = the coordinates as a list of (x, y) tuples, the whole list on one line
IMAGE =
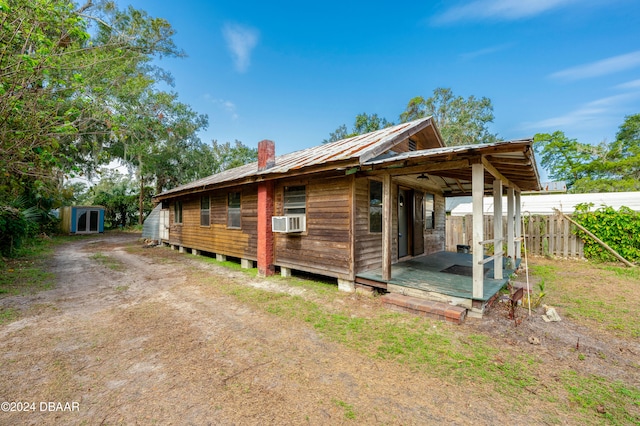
[(545, 235)]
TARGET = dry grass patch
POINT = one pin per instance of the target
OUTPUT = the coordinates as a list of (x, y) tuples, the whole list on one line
[(605, 297)]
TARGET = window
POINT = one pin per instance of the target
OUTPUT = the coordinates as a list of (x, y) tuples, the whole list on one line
[(233, 211), (429, 209), (205, 212), (375, 206), (177, 212), (295, 200)]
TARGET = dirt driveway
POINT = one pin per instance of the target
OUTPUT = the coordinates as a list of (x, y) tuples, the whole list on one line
[(131, 338)]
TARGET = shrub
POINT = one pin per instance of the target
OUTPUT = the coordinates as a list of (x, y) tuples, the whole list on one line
[(620, 229), (13, 229)]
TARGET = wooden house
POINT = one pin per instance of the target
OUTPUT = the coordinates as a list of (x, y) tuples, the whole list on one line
[(367, 210)]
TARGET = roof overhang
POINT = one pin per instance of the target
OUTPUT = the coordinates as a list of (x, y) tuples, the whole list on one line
[(513, 162)]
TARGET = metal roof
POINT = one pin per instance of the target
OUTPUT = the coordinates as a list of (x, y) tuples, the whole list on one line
[(347, 152)]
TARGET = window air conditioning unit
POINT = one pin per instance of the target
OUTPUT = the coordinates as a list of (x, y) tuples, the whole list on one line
[(286, 224)]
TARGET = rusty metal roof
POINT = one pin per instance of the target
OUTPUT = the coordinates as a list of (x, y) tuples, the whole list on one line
[(346, 152)]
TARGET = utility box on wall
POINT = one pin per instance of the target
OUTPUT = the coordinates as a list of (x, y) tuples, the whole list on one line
[(82, 219)]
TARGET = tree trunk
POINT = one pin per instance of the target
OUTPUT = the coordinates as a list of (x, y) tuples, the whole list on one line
[(141, 198)]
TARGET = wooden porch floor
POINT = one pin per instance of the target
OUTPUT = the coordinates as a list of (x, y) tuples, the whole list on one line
[(426, 273)]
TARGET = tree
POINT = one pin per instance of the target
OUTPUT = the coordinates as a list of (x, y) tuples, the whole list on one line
[(606, 167), (61, 65), (624, 153), (118, 194), (364, 123), (206, 160), (152, 136), (565, 159), (340, 133), (460, 121)]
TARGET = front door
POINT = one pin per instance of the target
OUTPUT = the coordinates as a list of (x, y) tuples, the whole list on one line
[(403, 222)]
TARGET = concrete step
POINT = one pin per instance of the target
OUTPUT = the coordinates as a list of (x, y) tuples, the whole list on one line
[(425, 308)]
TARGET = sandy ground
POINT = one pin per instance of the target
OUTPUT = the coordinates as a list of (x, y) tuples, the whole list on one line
[(149, 343)]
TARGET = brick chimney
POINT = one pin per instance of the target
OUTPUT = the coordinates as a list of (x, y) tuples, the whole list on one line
[(266, 160), (266, 155)]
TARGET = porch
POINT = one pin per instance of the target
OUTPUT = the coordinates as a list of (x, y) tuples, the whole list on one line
[(442, 276)]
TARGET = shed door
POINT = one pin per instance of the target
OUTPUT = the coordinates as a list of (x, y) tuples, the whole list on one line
[(93, 220), (164, 224), (87, 221), (81, 221)]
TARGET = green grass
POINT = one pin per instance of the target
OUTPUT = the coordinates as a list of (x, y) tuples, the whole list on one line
[(608, 315), (607, 401), (228, 264), (405, 339), (108, 261), (8, 315), (439, 350), (622, 271), (592, 306), (349, 412), (26, 273), (545, 272)]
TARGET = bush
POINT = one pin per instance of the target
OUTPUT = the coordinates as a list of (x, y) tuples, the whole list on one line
[(619, 229), (13, 229)]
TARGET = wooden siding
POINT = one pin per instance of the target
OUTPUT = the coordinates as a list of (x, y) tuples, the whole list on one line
[(368, 245), (217, 237), (337, 241), (325, 247)]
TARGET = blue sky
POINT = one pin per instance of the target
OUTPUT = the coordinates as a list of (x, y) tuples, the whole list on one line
[(293, 72)]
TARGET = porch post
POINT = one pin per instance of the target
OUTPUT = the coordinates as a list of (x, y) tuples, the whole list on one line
[(387, 211), (477, 191), (511, 247), (518, 226), (497, 228)]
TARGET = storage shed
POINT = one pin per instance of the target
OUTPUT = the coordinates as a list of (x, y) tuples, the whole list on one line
[(82, 219)]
